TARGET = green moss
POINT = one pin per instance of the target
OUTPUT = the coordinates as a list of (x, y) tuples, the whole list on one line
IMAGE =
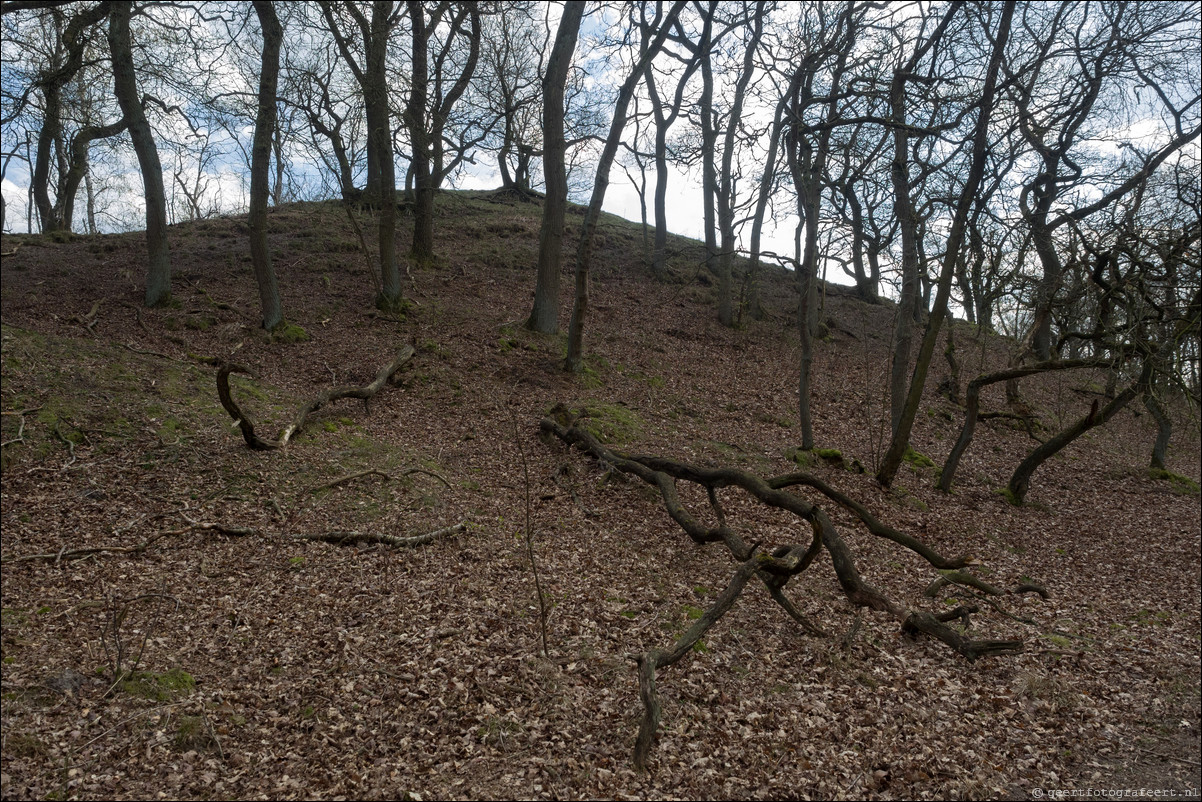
[(1006, 493), (199, 323), (289, 333), (1180, 484), (917, 459), (693, 613), (159, 687), (610, 423), (800, 457)]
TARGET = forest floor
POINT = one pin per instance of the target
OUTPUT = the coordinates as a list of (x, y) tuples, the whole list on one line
[(270, 666)]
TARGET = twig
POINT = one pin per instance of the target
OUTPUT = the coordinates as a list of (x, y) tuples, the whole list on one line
[(538, 588), (20, 438), (376, 472), (1169, 757), (69, 554)]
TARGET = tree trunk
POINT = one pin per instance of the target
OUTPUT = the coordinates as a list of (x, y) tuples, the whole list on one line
[(584, 251), (972, 402), (709, 139), (726, 192), (1164, 429), (955, 241), (260, 164), (125, 87), (380, 131), (1020, 482), (545, 315), (423, 207)]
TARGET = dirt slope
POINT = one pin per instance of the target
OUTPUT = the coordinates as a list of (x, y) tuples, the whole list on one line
[(275, 667)]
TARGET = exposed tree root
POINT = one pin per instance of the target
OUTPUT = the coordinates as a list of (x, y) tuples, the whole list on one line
[(774, 569), (968, 580), (385, 376)]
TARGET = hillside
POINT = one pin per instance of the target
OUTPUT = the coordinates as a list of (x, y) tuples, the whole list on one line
[(274, 666)]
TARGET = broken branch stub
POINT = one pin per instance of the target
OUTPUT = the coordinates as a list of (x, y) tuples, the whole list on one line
[(246, 425)]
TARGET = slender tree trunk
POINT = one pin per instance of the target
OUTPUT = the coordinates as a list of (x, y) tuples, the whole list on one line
[(277, 190), (660, 203), (91, 202), (584, 251), (423, 207), (260, 164), (545, 315), (709, 140), (972, 404), (726, 192), (125, 87), (1164, 429), (1020, 482), (379, 121), (955, 241), (755, 307)]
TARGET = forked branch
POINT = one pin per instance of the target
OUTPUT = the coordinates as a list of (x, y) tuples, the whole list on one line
[(385, 376)]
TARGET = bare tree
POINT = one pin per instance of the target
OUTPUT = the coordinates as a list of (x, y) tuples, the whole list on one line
[(979, 136), (584, 251), (265, 128), (125, 81), (373, 81), (545, 315), (429, 106)]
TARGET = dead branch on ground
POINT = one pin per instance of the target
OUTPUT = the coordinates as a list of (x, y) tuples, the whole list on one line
[(775, 568), (353, 538), (385, 376), (375, 472), (70, 554)]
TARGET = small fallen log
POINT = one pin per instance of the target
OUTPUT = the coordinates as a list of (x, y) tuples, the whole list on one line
[(353, 538), (366, 392)]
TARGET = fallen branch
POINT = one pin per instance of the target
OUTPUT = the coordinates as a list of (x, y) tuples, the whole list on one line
[(374, 472), (385, 376), (968, 580), (352, 538), (774, 568), (652, 660), (70, 554), (20, 438)]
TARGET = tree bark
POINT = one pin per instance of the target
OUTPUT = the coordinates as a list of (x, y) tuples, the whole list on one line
[(955, 241), (125, 87), (588, 229), (545, 315), (260, 165), (1164, 429)]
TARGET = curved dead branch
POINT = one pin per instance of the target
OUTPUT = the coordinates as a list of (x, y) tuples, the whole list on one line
[(353, 538), (773, 568), (385, 376)]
